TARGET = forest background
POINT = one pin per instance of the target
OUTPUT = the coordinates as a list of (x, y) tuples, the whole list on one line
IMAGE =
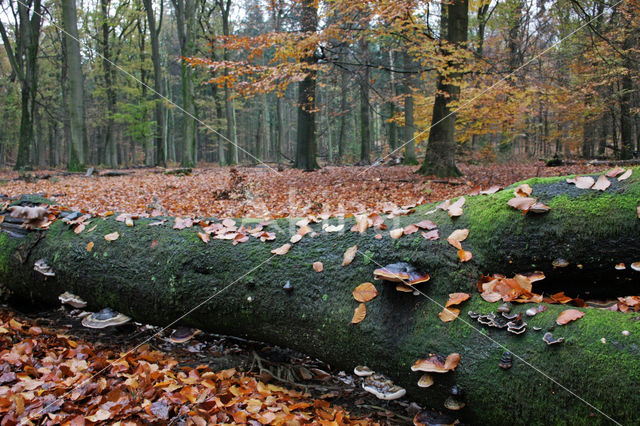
[(132, 82)]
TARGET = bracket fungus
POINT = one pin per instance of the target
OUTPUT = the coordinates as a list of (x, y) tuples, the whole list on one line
[(425, 381), (437, 363), (506, 361), (550, 340), (107, 317), (72, 300), (183, 334), (362, 371), (42, 267), (33, 217), (401, 272), (383, 388)]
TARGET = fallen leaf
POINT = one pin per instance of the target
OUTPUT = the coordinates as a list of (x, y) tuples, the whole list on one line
[(333, 228), (204, 237), (456, 299), (614, 172), (452, 361), (522, 203), (464, 256), (459, 235), (90, 246), (79, 228), (379, 236), (349, 255), (410, 229), (431, 235), (602, 183), (449, 314), (455, 209), (295, 238), (454, 243), (318, 266), (626, 175), (365, 292), (359, 313), (584, 182), (396, 233), (228, 223), (426, 224), (282, 250), (491, 190), (112, 236), (523, 190), (568, 316)]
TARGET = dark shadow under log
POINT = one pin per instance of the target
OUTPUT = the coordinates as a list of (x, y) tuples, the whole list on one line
[(157, 274)]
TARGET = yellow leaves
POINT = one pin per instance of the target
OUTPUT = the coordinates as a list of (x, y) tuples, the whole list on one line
[(280, 251), (349, 255), (359, 314), (90, 246), (449, 314), (365, 292), (112, 236)]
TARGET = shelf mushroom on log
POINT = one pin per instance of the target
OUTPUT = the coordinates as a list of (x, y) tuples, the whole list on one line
[(155, 274)]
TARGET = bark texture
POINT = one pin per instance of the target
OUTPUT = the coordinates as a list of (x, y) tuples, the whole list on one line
[(156, 274)]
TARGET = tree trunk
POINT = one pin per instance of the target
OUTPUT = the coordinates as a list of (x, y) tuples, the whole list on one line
[(225, 9), (306, 135), (77, 146), (365, 126), (157, 275), (154, 32), (440, 155), (408, 130)]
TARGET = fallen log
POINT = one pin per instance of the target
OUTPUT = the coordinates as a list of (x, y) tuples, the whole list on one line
[(157, 275)]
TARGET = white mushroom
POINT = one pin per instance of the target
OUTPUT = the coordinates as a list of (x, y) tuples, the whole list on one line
[(105, 318), (42, 267)]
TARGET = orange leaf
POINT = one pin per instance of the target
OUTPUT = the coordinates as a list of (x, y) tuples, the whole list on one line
[(523, 190), (112, 236), (459, 235), (282, 250), (318, 266), (359, 313), (365, 292), (449, 314), (410, 229), (90, 246), (204, 237), (522, 203), (456, 299), (464, 256), (615, 172), (452, 361), (568, 316), (349, 255)]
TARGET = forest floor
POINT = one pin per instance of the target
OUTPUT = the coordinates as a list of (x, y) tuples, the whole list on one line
[(214, 377), (264, 192)]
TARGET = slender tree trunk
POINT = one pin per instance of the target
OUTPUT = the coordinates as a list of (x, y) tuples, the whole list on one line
[(154, 31), (306, 138), (225, 8), (391, 106), (365, 125), (108, 76), (343, 115), (77, 147), (408, 130), (440, 155)]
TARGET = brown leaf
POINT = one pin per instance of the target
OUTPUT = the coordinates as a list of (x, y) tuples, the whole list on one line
[(456, 299), (90, 246), (523, 190), (318, 266), (584, 182), (454, 243), (455, 209), (349, 255), (410, 229), (491, 190), (522, 203), (459, 235), (626, 175), (379, 236), (614, 172), (365, 292), (431, 235), (426, 224), (112, 236), (282, 250), (295, 238), (568, 316), (359, 313), (602, 183), (362, 223), (449, 314), (452, 361), (204, 237), (464, 256), (396, 233)]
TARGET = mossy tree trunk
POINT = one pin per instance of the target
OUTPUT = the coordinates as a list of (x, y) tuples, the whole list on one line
[(157, 274)]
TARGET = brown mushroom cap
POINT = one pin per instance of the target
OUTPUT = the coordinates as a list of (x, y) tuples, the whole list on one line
[(401, 272), (437, 363), (107, 317), (183, 334), (72, 300), (453, 404), (425, 381), (433, 418)]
